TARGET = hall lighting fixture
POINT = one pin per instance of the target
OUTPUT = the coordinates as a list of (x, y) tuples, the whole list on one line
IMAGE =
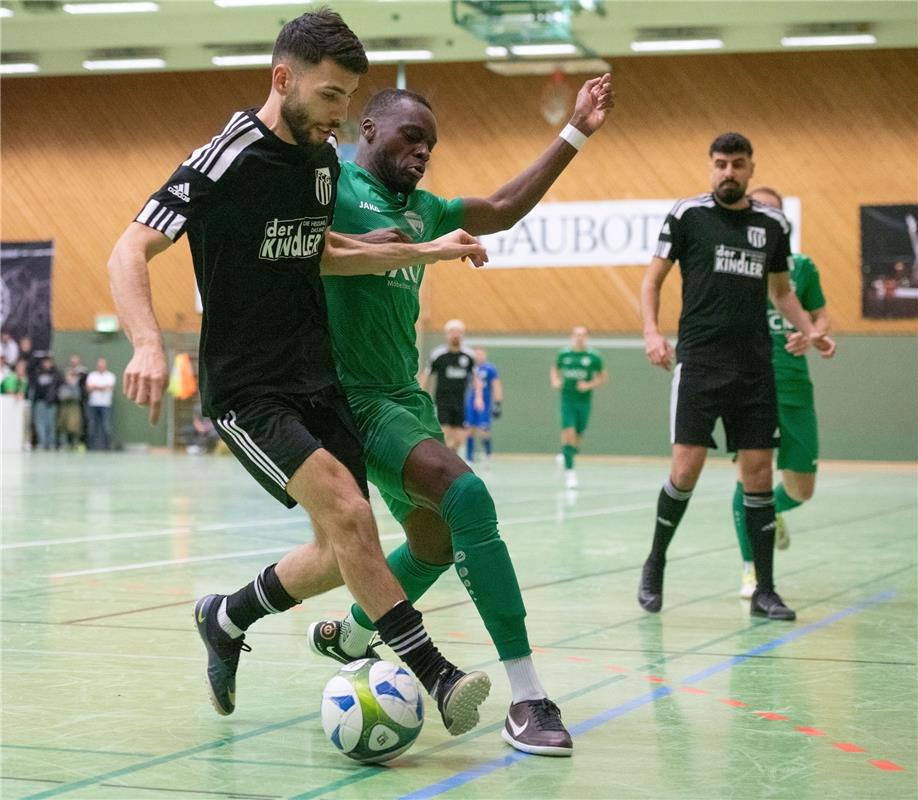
[(559, 49), (125, 63), (670, 45), (110, 8), (496, 52), (244, 3), (18, 69), (375, 56), (829, 40), (249, 60), (6, 12)]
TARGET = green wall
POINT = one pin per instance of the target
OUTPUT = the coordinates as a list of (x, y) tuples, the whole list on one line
[(867, 396)]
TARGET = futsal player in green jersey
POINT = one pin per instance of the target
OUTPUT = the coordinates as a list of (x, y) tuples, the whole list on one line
[(798, 452), (446, 510), (576, 372)]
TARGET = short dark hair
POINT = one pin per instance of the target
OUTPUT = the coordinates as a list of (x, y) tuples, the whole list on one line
[(768, 190), (385, 99), (731, 142), (321, 34)]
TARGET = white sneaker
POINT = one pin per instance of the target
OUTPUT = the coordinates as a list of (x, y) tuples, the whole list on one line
[(559, 459), (747, 587), (570, 479), (782, 533)]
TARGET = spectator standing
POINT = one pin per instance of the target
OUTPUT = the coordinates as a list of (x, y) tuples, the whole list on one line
[(43, 393), (9, 350), (100, 384), (69, 410)]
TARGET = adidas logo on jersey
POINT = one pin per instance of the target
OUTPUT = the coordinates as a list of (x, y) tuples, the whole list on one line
[(181, 190)]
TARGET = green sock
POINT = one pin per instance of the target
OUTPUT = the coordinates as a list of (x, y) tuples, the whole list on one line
[(783, 501), (569, 452), (739, 522), (415, 576), (484, 565)]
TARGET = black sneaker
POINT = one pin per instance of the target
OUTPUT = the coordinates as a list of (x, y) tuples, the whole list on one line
[(534, 726), (458, 695), (222, 654), (325, 640), (769, 604), (650, 589)]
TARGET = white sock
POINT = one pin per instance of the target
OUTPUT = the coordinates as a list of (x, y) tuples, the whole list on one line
[(524, 680), (748, 566), (226, 623), (355, 639)]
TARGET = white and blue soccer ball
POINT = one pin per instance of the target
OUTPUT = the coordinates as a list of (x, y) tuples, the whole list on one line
[(372, 710)]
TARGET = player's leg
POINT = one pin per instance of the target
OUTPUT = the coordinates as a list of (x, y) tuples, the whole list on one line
[(747, 584), (798, 458), (435, 478), (751, 425), (695, 404)]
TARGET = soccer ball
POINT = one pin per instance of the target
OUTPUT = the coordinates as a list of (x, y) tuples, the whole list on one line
[(372, 710)]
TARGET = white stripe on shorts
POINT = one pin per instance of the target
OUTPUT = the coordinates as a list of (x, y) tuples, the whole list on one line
[(673, 402), (256, 455)]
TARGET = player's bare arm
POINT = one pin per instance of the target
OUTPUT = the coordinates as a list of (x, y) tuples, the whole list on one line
[(659, 351), (146, 374), (785, 301), (346, 255), (555, 378), (515, 199), (821, 323)]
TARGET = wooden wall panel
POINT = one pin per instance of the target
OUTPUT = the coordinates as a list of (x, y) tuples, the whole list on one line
[(80, 156)]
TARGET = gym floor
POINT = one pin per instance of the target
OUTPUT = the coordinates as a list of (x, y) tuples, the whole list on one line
[(103, 693)]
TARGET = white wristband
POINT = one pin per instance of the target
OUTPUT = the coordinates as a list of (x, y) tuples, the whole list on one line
[(573, 137)]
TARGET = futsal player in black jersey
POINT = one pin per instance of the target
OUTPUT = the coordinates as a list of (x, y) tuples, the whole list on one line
[(733, 254), (256, 203)]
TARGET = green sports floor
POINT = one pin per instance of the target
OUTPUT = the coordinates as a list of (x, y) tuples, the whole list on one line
[(102, 671)]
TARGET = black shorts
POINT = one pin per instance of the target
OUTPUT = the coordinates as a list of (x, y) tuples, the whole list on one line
[(451, 411), (746, 402), (274, 435)]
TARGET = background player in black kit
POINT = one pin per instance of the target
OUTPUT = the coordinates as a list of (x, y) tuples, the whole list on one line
[(452, 366), (256, 203), (733, 253)]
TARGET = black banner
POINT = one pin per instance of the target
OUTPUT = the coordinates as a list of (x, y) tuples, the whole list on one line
[(25, 291), (889, 261)]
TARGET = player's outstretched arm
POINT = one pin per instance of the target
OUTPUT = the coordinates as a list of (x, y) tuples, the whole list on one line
[(345, 255), (516, 198), (659, 351), (146, 374)]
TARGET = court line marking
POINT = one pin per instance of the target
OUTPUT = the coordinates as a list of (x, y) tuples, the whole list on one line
[(481, 770), (95, 780)]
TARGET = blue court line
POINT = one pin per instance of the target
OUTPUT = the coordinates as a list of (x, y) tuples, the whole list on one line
[(481, 770)]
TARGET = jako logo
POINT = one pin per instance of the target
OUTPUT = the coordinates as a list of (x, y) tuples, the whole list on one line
[(292, 238)]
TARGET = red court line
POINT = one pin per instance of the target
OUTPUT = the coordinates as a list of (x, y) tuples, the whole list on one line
[(617, 668), (693, 690), (770, 715), (654, 679), (889, 766), (808, 731), (848, 747), (729, 702)]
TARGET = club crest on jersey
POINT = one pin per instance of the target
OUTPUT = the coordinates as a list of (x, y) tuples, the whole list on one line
[(323, 185), (415, 221), (755, 235)]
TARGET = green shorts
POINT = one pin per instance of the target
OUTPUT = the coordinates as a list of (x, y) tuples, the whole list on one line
[(799, 448), (575, 412), (392, 424)]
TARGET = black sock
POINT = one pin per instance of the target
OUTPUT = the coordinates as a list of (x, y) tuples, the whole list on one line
[(671, 506), (760, 525), (265, 595), (403, 630)]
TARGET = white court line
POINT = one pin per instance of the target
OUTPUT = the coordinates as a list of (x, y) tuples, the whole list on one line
[(189, 560), (140, 657)]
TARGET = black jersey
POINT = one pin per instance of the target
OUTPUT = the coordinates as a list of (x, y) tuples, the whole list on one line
[(725, 257), (453, 369), (255, 209)]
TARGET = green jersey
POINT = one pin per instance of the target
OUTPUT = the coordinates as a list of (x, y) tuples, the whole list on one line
[(792, 374), (577, 365), (373, 317)]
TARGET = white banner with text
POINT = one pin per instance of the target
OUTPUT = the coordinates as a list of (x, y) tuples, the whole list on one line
[(605, 233)]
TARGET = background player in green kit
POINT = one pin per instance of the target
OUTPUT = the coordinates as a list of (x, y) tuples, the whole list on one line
[(798, 452), (576, 372), (445, 509)]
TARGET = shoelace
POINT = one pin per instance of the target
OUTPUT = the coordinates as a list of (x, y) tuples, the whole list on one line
[(547, 715)]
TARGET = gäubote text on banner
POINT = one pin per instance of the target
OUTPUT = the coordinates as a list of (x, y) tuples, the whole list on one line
[(603, 233)]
